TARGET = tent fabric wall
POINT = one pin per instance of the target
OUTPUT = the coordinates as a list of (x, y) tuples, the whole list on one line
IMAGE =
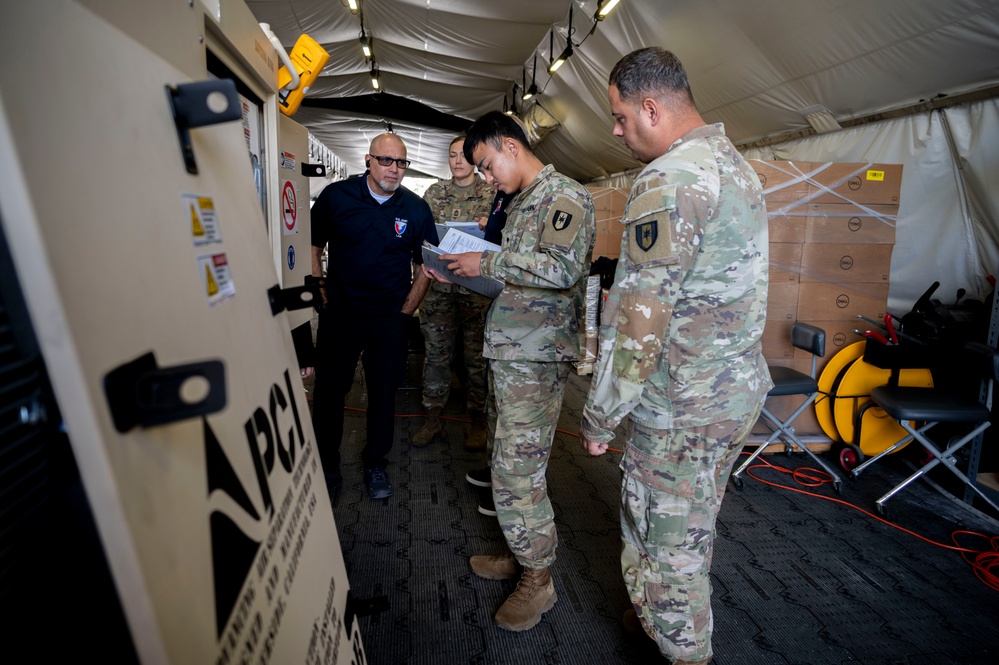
[(947, 228)]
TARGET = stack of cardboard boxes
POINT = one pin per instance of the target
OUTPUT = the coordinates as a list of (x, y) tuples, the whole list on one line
[(832, 229), (608, 204)]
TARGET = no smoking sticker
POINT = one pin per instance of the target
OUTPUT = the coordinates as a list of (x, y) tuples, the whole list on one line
[(289, 208)]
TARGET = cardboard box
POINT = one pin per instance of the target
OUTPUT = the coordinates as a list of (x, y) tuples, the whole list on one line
[(786, 228), (840, 263), (608, 202), (777, 340), (847, 223), (608, 207), (608, 240), (785, 261), (782, 302), (832, 182), (821, 301), (834, 223), (783, 182)]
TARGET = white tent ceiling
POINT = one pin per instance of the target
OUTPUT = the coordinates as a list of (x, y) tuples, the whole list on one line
[(752, 65)]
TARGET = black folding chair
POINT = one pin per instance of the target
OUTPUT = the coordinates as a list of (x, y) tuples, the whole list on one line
[(928, 407), (788, 381)]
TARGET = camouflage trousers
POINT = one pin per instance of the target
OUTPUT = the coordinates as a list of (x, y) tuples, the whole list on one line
[(442, 316), (672, 490), (525, 402)]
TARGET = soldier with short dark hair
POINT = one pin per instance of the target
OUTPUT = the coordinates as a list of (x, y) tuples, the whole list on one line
[(531, 340), (680, 348), (449, 309)]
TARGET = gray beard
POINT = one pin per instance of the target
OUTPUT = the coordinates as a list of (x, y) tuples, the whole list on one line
[(387, 186)]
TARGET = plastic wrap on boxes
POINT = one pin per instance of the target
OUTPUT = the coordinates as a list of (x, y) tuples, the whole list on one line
[(591, 306), (831, 231), (591, 326)]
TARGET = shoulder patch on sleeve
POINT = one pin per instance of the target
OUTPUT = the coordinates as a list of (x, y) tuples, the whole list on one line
[(562, 223), (649, 229)]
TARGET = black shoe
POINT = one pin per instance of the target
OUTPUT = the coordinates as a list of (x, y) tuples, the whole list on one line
[(480, 477), (334, 481), (378, 483), (486, 504)]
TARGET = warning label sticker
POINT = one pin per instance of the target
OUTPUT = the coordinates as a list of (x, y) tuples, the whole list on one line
[(288, 160), (199, 212), (216, 278)]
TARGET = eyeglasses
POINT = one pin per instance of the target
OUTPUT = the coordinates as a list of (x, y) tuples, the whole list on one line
[(387, 161)]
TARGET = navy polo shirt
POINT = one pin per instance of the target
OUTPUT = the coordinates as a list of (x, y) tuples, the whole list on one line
[(372, 246)]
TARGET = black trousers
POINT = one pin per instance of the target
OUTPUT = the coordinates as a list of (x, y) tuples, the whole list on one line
[(381, 345)]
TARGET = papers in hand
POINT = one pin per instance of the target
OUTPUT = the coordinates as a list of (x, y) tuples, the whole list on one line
[(458, 242), (471, 228)]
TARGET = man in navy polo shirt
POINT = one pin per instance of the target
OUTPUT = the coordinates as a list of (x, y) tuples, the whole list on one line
[(375, 229)]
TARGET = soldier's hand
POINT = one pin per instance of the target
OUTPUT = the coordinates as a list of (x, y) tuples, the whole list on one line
[(592, 447), (463, 265), (433, 275)]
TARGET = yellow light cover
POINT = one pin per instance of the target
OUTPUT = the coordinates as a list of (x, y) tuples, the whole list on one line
[(309, 59)]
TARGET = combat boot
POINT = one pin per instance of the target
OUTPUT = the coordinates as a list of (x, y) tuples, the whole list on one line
[(535, 595), (477, 435), (501, 567), (431, 429)]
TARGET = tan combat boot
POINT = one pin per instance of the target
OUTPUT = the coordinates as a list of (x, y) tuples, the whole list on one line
[(431, 429), (477, 435), (501, 567), (534, 596)]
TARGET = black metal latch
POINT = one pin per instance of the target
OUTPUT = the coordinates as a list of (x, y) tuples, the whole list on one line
[(200, 104), (140, 393), (313, 170), (296, 297)]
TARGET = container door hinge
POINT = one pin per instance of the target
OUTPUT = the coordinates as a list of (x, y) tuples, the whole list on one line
[(141, 394), (200, 104), (295, 297), (313, 170)]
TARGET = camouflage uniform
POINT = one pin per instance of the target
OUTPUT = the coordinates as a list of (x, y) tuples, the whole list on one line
[(680, 351), (532, 337), (448, 307)]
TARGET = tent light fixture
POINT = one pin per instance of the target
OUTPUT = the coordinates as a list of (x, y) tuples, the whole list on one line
[(533, 90), (567, 53), (605, 8), (559, 61), (365, 45), (375, 76), (353, 6)]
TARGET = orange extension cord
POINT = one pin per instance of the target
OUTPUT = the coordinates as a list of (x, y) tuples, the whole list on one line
[(984, 562)]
